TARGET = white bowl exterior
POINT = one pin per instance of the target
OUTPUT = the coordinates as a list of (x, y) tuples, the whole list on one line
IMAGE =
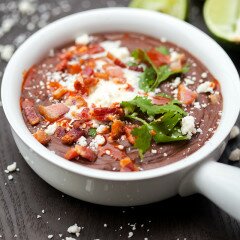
[(125, 20)]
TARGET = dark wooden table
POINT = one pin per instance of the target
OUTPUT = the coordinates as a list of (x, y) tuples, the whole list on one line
[(23, 198)]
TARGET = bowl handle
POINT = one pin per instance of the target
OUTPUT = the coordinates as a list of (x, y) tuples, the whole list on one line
[(218, 182)]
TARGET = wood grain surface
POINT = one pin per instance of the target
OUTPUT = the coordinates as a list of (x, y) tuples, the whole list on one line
[(23, 198)]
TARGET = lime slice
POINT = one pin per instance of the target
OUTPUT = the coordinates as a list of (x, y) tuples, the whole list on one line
[(176, 8), (223, 19)]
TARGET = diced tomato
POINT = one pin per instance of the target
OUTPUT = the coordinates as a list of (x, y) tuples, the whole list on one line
[(30, 113), (160, 100), (72, 136), (113, 71), (53, 112), (128, 131), (117, 129), (42, 137), (158, 58), (186, 95), (58, 93), (86, 153), (71, 154)]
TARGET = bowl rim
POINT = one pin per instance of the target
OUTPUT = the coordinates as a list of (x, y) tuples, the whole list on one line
[(186, 162)]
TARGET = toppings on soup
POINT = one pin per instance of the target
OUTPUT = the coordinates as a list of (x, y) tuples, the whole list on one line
[(121, 102)]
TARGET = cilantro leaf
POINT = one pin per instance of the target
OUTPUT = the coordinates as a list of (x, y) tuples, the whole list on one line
[(146, 106), (92, 132), (150, 80), (143, 139), (165, 128), (162, 49), (147, 79)]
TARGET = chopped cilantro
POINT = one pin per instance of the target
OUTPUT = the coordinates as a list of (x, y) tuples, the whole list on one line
[(153, 76), (164, 50), (164, 128), (92, 132)]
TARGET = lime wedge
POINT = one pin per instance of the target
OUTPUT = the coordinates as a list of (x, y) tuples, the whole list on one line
[(176, 8), (222, 17)]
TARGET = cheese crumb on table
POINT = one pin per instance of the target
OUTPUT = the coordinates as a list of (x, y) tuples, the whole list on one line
[(50, 236), (10, 177), (74, 229), (235, 155), (12, 167), (234, 132)]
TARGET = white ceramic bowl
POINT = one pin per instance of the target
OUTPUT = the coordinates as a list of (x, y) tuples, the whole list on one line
[(196, 173)]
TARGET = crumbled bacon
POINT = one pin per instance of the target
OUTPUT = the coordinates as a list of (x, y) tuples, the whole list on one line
[(136, 68), (128, 131), (30, 113), (158, 58), (76, 100), (160, 100), (53, 112), (60, 132), (115, 152), (101, 75), (186, 95), (178, 63), (117, 129), (87, 72), (113, 71), (59, 93), (127, 165), (214, 98), (95, 48), (106, 114), (84, 115), (62, 65), (86, 153), (71, 154), (72, 136), (42, 137), (73, 68), (116, 61)]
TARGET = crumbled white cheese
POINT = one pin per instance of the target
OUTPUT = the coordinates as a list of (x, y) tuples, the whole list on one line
[(114, 47), (70, 238), (234, 132), (69, 81), (83, 39), (26, 7), (205, 87), (188, 81), (51, 128), (12, 167), (108, 92), (6, 52), (82, 141), (120, 147), (130, 234), (188, 126), (204, 75), (100, 140), (102, 128), (197, 105), (10, 177), (74, 229), (174, 56), (99, 64), (235, 155), (176, 82), (154, 151)]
